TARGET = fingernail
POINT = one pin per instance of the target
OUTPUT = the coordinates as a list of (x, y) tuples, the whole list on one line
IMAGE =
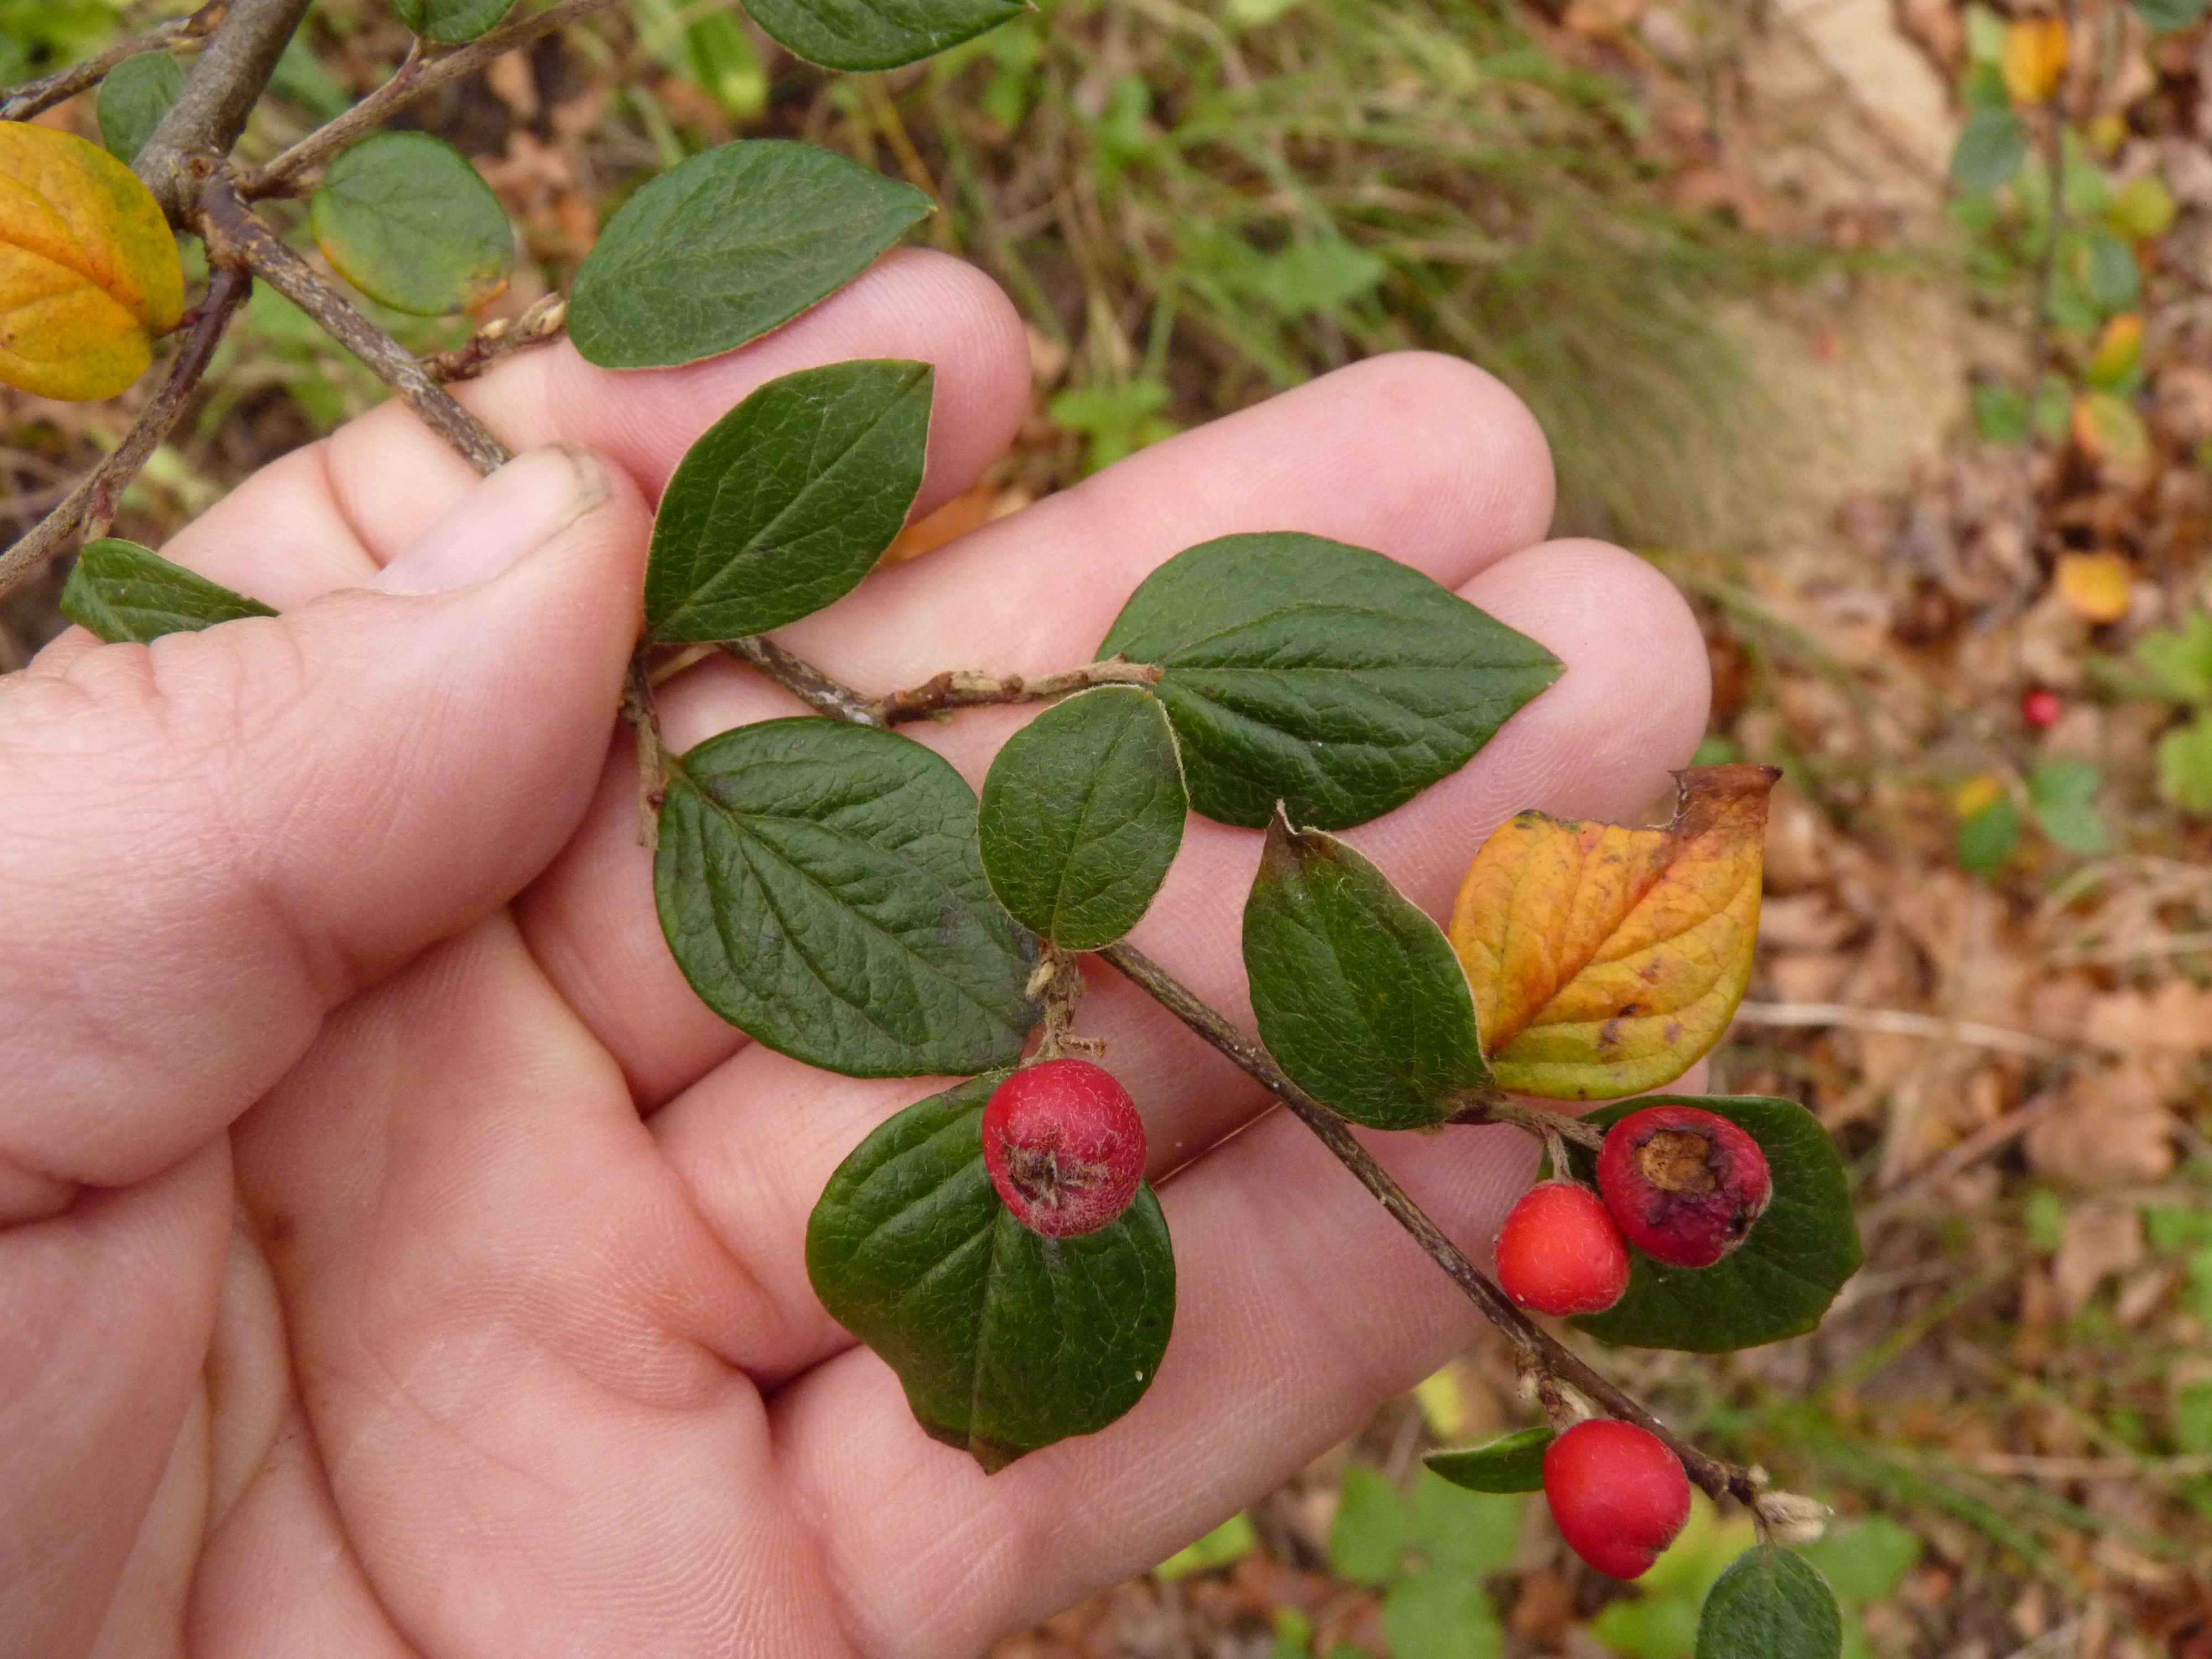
[(517, 510)]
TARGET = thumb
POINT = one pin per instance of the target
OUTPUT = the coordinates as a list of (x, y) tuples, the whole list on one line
[(214, 839)]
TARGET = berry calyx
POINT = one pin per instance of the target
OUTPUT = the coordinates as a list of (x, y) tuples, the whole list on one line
[(1685, 1184), (1561, 1253), (1618, 1494), (1065, 1146), (2040, 708)]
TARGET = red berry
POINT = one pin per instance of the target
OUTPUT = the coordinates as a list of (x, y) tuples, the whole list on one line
[(1065, 1146), (1559, 1252), (2040, 708), (1684, 1184), (1618, 1495)]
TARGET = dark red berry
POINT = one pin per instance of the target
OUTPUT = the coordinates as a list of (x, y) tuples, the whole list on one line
[(1065, 1146), (1561, 1253), (2040, 708), (1618, 1495), (1684, 1184)]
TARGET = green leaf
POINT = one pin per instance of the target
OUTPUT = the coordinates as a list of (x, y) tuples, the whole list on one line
[(133, 98), (1781, 1280), (448, 22), (2110, 272), (1466, 1532), (1441, 1615), (1991, 146), (1513, 1462), (2185, 765), (818, 885), (2166, 17), (1865, 1560), (122, 591), (2064, 794), (876, 34), (1082, 814), (1328, 677), (728, 245), (788, 500), (1006, 1341), (1357, 992), (1987, 838), (2144, 207), (405, 219), (1232, 1540), (1368, 1539), (1770, 1605), (2179, 660)]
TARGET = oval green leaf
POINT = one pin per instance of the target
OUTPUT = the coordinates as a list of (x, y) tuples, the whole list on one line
[(1300, 670), (122, 591), (788, 500), (448, 22), (133, 98), (405, 219), (819, 886), (728, 245), (1083, 811), (1513, 1462), (1005, 1340), (1356, 990), (1770, 1604), (1779, 1282), (876, 34)]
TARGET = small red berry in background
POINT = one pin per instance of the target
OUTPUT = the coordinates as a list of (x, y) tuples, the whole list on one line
[(1685, 1184), (1561, 1253), (1618, 1495), (1065, 1146), (2040, 708)]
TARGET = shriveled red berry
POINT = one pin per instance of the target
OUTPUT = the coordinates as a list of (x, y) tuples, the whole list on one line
[(1561, 1253), (1618, 1495), (1065, 1146), (1685, 1184), (2040, 708)]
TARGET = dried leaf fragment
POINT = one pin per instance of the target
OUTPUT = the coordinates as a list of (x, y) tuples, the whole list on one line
[(1606, 959), (88, 270)]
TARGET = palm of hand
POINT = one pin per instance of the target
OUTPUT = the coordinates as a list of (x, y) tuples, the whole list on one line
[(511, 1349)]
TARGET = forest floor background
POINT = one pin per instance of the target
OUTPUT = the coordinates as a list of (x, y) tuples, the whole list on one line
[(1716, 247)]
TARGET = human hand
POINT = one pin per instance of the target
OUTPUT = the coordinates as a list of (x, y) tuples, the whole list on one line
[(510, 1347)]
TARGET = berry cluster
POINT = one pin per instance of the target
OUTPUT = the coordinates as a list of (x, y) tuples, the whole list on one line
[(1683, 1186)]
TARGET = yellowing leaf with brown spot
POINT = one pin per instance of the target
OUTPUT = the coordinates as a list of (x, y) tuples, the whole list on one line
[(1606, 959), (88, 270), (2033, 58)]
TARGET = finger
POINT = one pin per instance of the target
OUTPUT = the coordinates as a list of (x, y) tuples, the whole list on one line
[(1451, 489), (217, 838), (758, 1138), (325, 516), (497, 1295)]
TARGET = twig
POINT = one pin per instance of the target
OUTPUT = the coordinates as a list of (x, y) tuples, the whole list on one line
[(805, 682), (1897, 1021), (422, 74), (653, 757), (543, 321), (2046, 274), (21, 103), (1488, 1106), (235, 234), (219, 95), (1717, 1477), (95, 496), (962, 689)]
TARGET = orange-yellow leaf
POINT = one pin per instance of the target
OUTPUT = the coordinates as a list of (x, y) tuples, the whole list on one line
[(1605, 959), (88, 270), (2096, 587), (2110, 431), (2033, 57), (2119, 348)]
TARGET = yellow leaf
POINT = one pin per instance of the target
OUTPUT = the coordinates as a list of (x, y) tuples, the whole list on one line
[(2096, 587), (1977, 792), (2119, 348), (2033, 58), (1606, 959), (2110, 431), (88, 270)]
